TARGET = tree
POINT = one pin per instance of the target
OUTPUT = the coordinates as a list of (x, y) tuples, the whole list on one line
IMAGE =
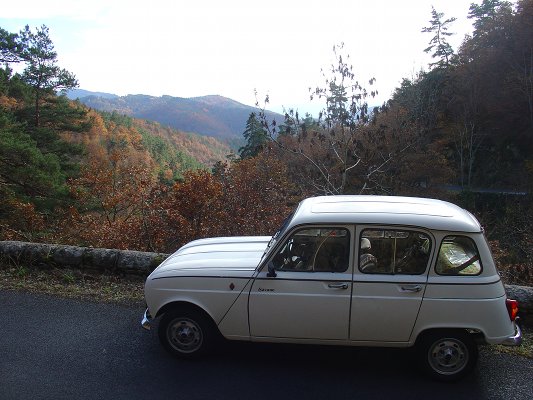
[(256, 137), (24, 169), (10, 47), (42, 72), (326, 154), (486, 14), (112, 193), (438, 44), (35, 161)]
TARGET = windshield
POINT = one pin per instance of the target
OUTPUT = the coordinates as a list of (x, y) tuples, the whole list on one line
[(279, 233)]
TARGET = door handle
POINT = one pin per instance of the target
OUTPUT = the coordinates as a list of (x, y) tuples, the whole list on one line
[(411, 288), (338, 285)]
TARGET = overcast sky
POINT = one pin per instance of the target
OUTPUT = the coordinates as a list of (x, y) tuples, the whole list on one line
[(231, 47)]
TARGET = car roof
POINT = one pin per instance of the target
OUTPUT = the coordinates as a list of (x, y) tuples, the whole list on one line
[(385, 210)]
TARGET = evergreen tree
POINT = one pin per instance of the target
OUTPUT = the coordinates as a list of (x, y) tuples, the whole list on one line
[(10, 47), (42, 72), (35, 160), (25, 170), (256, 138), (486, 13), (438, 44)]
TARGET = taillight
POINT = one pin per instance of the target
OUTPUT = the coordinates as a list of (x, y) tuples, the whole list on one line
[(512, 308)]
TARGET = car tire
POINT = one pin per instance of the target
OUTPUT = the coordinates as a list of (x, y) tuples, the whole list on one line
[(447, 355), (186, 333)]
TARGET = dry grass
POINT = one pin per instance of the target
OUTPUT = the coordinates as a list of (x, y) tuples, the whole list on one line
[(524, 350), (73, 284)]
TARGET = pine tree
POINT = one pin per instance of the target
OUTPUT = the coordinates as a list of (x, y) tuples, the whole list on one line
[(438, 44), (256, 138), (42, 72)]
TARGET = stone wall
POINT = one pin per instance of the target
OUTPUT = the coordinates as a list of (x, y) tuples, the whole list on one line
[(84, 258), (140, 263)]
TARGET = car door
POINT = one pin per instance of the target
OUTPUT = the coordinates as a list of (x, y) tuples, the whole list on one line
[(389, 283), (309, 298)]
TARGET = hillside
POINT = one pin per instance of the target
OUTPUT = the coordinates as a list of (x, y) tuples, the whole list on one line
[(215, 116), (203, 149)]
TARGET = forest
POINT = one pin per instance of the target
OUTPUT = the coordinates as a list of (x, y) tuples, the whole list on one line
[(462, 130)]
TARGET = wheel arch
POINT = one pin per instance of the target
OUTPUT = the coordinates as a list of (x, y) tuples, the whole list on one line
[(184, 305), (447, 354), (476, 334)]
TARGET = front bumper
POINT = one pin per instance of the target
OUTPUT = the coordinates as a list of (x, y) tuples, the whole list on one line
[(516, 339), (146, 322)]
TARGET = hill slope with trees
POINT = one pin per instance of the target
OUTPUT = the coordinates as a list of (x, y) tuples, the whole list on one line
[(460, 129), (215, 116)]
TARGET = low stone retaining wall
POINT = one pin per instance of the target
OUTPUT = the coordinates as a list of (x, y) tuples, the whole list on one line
[(139, 263), (84, 258)]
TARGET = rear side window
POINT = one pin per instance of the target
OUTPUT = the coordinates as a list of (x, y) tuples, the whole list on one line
[(386, 251), (458, 255)]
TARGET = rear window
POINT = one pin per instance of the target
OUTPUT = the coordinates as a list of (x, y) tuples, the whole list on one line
[(458, 255), (388, 251)]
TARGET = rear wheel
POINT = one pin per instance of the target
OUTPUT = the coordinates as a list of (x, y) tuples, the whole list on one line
[(447, 355), (186, 333)]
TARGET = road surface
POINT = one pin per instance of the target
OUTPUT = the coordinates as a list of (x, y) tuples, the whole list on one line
[(56, 348)]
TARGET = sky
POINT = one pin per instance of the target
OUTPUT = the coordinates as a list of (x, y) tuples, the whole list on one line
[(235, 48)]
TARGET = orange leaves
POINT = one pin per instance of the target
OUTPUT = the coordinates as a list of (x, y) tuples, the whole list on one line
[(112, 191), (9, 103), (22, 221), (249, 197), (195, 204), (257, 195), (121, 203)]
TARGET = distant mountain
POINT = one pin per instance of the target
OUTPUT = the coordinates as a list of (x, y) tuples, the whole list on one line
[(74, 94), (215, 116)]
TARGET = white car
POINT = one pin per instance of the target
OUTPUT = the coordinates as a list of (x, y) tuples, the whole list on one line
[(342, 270)]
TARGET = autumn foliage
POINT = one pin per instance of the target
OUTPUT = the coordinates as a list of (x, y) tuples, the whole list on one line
[(72, 175), (121, 204)]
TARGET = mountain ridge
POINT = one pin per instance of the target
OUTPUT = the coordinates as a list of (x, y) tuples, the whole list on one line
[(211, 115)]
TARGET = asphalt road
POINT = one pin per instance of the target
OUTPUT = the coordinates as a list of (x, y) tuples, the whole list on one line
[(54, 348)]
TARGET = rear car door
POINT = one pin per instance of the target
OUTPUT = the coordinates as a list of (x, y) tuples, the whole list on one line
[(389, 282)]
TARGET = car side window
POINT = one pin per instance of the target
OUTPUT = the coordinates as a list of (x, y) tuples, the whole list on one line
[(315, 250), (388, 251), (458, 255)]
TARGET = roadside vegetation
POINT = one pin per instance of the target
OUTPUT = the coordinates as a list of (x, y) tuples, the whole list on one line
[(73, 283)]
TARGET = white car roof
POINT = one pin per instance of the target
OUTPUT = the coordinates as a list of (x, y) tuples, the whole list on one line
[(385, 210)]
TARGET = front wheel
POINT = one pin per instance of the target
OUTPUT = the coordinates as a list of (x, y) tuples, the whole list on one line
[(447, 355), (186, 333)]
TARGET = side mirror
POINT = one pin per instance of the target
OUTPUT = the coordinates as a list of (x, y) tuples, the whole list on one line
[(271, 270)]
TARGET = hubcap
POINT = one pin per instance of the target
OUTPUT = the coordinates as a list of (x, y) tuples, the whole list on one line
[(184, 335), (448, 356)]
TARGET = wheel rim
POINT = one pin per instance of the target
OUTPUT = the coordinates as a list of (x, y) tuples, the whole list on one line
[(448, 356), (184, 335)]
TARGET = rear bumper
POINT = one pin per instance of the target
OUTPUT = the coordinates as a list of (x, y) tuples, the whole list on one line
[(516, 339), (146, 321)]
